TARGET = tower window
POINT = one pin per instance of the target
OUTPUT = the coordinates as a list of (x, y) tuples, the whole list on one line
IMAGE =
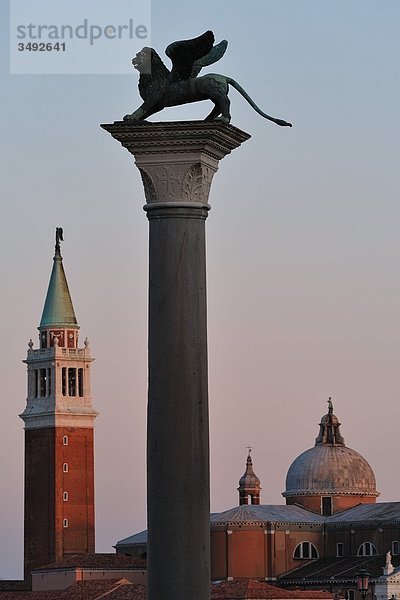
[(36, 382), (65, 440), (366, 549), (305, 550), (395, 548), (64, 381), (42, 383), (65, 467), (65, 522), (71, 382), (49, 382), (65, 496), (80, 382), (339, 549), (43, 340)]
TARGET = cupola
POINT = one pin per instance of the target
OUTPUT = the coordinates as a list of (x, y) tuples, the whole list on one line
[(249, 484)]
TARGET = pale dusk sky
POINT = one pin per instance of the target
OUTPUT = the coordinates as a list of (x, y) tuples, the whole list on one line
[(303, 249)]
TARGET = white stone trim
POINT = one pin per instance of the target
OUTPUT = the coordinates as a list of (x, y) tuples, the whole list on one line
[(42, 421)]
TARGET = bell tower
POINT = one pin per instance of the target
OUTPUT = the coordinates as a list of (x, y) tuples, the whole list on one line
[(59, 420)]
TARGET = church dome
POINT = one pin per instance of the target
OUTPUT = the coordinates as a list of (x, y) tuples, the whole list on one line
[(330, 468)]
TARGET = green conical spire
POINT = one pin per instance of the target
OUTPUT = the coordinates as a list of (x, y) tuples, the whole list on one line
[(58, 309)]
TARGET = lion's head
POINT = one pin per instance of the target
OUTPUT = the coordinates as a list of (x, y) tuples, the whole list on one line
[(154, 75), (148, 62), (143, 59)]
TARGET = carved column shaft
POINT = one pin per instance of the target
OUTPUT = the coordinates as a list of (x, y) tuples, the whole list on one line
[(177, 162)]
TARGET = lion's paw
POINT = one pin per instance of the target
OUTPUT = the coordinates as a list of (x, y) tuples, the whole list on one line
[(222, 119), (130, 118)]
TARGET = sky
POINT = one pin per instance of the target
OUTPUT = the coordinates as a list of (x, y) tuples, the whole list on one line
[(303, 249)]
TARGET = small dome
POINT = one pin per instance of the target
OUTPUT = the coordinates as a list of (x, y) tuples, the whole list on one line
[(249, 484), (330, 468), (249, 479)]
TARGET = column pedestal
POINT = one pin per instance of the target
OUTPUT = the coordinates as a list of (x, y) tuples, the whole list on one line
[(177, 161)]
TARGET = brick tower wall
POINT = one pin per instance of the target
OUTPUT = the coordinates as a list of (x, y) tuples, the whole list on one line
[(39, 530), (47, 539)]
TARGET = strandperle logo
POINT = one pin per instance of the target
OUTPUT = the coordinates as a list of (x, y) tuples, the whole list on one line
[(85, 31), (75, 37)]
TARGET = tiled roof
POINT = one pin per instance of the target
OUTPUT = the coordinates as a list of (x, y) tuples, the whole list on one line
[(381, 511), (109, 589), (341, 569), (137, 538), (273, 513), (124, 590), (27, 595), (113, 589), (13, 585), (277, 513), (95, 561), (251, 588)]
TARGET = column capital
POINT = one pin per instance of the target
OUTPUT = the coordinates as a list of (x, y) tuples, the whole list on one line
[(177, 160)]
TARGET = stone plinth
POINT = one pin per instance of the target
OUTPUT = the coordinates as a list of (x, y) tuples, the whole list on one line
[(177, 162)]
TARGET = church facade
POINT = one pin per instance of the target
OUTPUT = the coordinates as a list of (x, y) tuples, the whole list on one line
[(330, 527)]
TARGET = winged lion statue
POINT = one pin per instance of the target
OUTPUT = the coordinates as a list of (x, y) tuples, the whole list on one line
[(160, 87)]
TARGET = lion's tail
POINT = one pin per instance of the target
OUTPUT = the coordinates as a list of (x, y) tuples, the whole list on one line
[(246, 96)]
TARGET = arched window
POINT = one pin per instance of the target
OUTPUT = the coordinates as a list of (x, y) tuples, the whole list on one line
[(305, 550), (65, 440), (366, 549), (65, 468), (65, 496), (65, 522)]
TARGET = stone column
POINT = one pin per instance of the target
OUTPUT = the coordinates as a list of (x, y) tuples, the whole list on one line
[(177, 161)]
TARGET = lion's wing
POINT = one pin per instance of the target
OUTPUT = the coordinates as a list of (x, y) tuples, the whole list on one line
[(185, 53), (215, 54)]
